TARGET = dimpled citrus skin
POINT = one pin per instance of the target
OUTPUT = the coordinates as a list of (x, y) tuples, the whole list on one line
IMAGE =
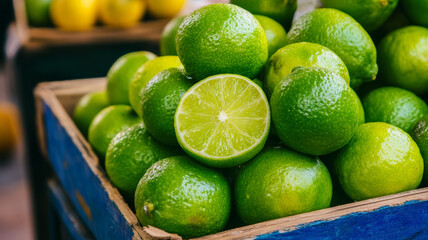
[(275, 33), (281, 11), (315, 111), (167, 43), (395, 106), (130, 154), (380, 159), (302, 54), (416, 10), (146, 72), (343, 35), (403, 59), (419, 133), (109, 122), (159, 102), (280, 182), (221, 38), (87, 108), (181, 196), (369, 13), (120, 75)]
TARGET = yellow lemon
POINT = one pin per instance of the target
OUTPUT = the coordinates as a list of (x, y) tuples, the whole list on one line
[(74, 15), (164, 8), (121, 13)]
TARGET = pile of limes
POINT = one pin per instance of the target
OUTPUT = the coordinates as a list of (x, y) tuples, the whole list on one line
[(81, 15), (239, 110)]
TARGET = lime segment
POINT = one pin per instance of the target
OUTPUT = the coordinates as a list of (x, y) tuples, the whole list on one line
[(223, 120)]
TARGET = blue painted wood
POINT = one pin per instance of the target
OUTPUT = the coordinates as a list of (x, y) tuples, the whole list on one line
[(102, 215), (59, 204), (407, 221)]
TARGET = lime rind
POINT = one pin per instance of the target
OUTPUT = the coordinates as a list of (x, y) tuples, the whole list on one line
[(223, 120)]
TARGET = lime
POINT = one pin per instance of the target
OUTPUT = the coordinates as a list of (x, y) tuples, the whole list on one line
[(395, 106), (87, 108), (183, 197), (361, 111), (130, 154), (420, 135), (278, 183), (38, 12), (344, 36), (380, 159), (223, 121), (315, 111), (275, 33), (221, 38), (167, 43), (121, 13), (120, 75), (147, 72), (369, 13), (258, 82), (160, 100), (74, 15), (300, 55), (281, 11), (107, 124), (164, 8), (417, 11), (403, 59)]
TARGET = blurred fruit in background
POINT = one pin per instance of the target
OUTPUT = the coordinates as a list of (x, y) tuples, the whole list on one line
[(275, 33), (121, 13), (120, 75), (281, 11), (164, 8), (9, 129), (416, 11), (369, 13), (167, 43), (38, 12), (74, 15)]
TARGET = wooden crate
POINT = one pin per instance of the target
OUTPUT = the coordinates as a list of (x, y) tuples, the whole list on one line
[(104, 211)]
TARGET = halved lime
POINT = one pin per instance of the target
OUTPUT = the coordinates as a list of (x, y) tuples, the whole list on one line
[(223, 121)]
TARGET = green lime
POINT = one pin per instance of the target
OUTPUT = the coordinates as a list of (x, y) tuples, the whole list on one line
[(281, 11), (395, 106), (420, 135), (221, 38), (344, 36), (181, 196), (107, 124), (361, 111), (300, 55), (278, 183), (258, 82), (275, 33), (380, 159), (87, 108), (38, 12), (120, 75), (416, 11), (403, 59), (223, 121), (160, 100), (147, 72), (130, 154), (315, 111), (369, 13), (167, 42)]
